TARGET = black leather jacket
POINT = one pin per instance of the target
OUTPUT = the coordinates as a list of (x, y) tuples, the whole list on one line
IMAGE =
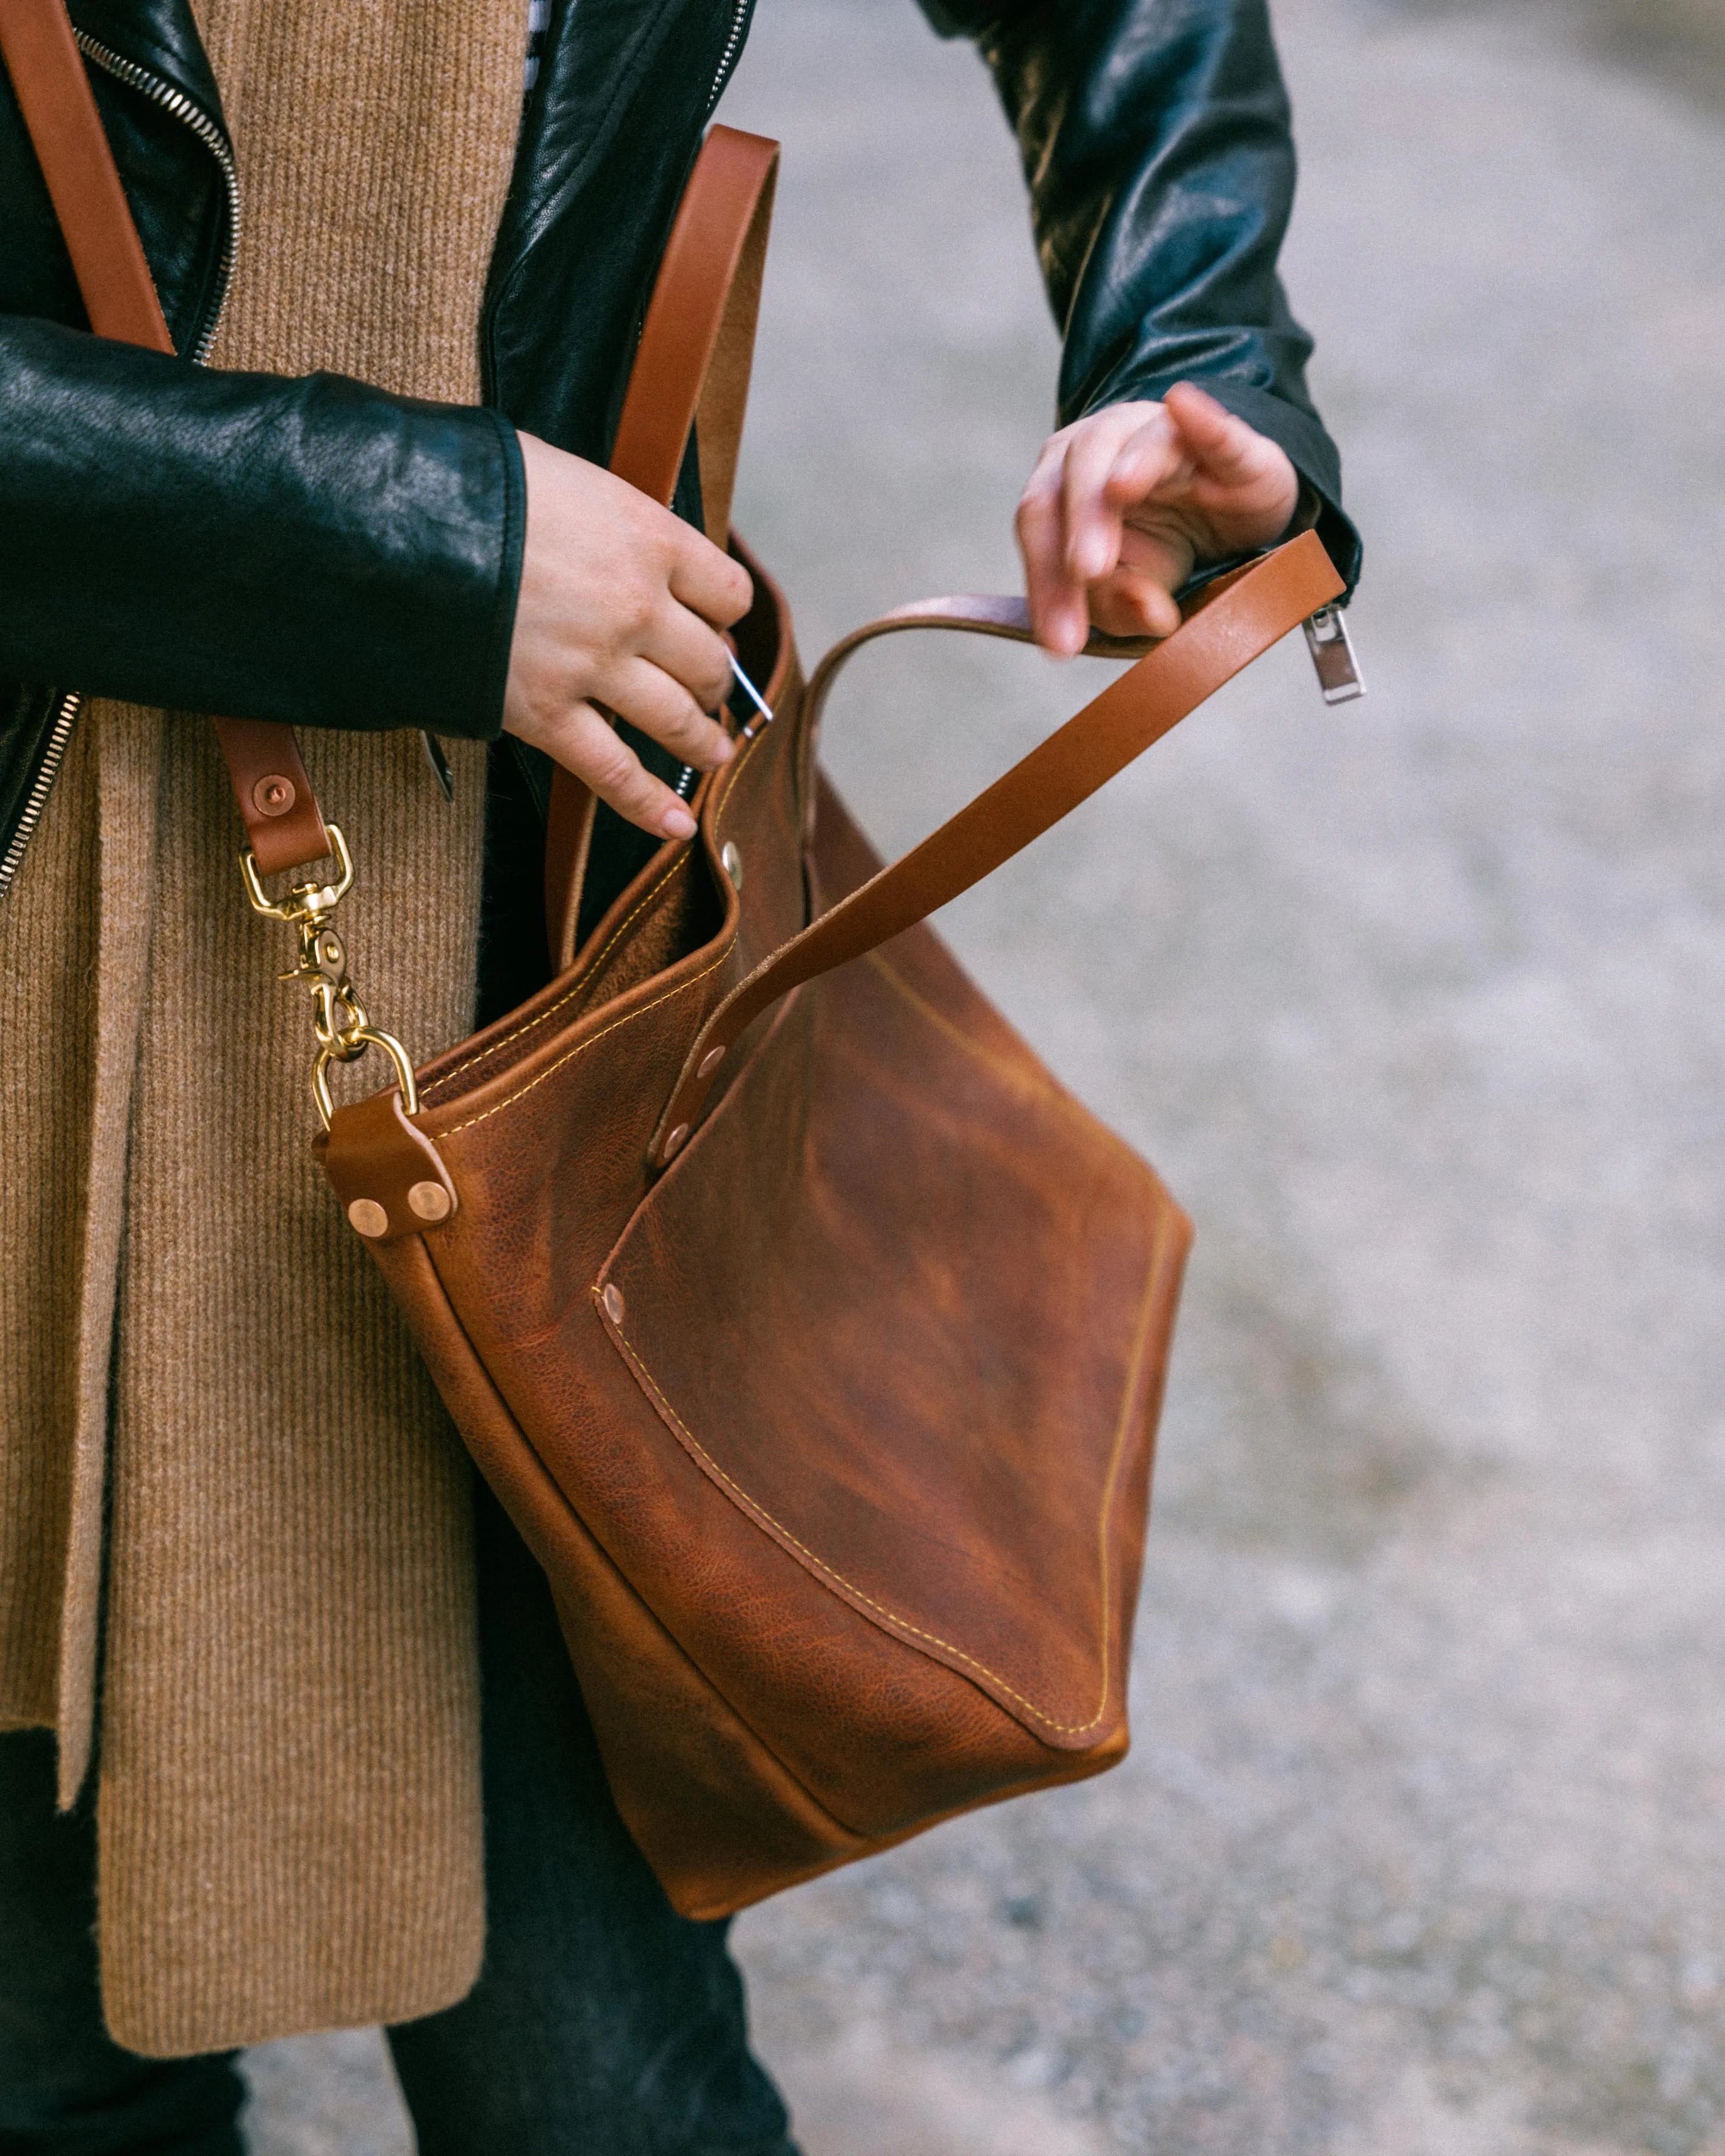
[(319, 552)]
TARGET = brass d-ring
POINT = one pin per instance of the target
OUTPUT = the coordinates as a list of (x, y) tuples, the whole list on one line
[(361, 1038)]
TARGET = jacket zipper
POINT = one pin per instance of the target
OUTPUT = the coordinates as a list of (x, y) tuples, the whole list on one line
[(178, 107), (42, 785), (728, 58), (175, 103)]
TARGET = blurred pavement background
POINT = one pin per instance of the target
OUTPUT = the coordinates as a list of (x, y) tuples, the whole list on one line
[(1420, 1006)]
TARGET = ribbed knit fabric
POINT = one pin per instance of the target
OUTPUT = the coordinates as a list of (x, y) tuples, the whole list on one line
[(73, 957), (47, 941), (288, 1799)]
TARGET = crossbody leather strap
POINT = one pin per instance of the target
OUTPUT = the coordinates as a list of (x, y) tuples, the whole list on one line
[(695, 353), (691, 370), (1233, 623), (280, 811)]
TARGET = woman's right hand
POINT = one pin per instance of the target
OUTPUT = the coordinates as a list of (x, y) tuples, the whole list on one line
[(621, 605)]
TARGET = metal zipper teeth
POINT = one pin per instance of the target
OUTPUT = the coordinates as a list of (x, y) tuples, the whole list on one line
[(178, 107), (42, 786), (728, 58), (175, 103)]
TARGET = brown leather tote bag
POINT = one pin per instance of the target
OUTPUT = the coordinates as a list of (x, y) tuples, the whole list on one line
[(812, 1333)]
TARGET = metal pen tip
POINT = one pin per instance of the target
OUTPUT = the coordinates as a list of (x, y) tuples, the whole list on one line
[(755, 697)]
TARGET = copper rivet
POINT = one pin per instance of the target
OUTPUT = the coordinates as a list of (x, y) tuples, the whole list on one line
[(730, 860), (710, 1063), (613, 1300), (368, 1217), (673, 1143), (429, 1200), (273, 796)]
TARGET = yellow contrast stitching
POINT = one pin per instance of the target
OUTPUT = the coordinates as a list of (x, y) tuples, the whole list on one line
[(581, 981), (582, 1047), (1061, 1728), (510, 1099), (735, 770)]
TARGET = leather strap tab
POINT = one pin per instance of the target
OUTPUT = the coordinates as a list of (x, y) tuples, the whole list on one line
[(691, 369), (280, 809), (1233, 622), (389, 1177), (276, 799)]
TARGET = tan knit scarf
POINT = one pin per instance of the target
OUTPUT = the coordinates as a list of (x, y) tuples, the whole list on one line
[(289, 1795)]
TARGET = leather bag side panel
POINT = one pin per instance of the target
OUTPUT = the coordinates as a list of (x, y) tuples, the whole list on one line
[(720, 1820)]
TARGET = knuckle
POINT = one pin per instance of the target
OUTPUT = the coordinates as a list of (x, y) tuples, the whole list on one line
[(715, 682), (612, 764), (690, 726), (635, 611)]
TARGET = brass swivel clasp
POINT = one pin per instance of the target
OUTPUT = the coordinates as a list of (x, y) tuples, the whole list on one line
[(338, 1018)]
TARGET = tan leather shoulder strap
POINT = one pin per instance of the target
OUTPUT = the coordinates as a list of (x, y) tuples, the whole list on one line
[(691, 369), (695, 353), (65, 129), (59, 111), (1233, 623), (698, 340)]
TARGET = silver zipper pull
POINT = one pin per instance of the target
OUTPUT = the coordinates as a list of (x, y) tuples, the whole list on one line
[(1331, 650)]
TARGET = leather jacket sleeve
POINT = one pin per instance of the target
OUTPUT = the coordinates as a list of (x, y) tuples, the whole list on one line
[(309, 550), (1156, 137)]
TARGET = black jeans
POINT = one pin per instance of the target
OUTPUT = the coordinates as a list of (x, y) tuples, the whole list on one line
[(603, 2025)]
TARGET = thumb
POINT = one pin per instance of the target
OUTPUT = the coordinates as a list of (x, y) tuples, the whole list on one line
[(1223, 447)]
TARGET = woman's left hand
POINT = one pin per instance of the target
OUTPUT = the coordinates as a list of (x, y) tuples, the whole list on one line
[(1124, 504)]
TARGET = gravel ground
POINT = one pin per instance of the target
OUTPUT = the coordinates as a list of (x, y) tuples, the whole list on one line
[(1414, 1003)]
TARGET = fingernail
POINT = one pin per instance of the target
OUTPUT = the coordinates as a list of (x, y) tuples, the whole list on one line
[(723, 751), (677, 823)]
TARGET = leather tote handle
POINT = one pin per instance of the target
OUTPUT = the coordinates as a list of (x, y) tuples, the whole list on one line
[(691, 369), (282, 820), (1232, 622), (697, 342)]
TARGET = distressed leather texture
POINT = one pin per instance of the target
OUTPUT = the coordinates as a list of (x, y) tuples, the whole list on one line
[(843, 1499), (834, 1435)]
